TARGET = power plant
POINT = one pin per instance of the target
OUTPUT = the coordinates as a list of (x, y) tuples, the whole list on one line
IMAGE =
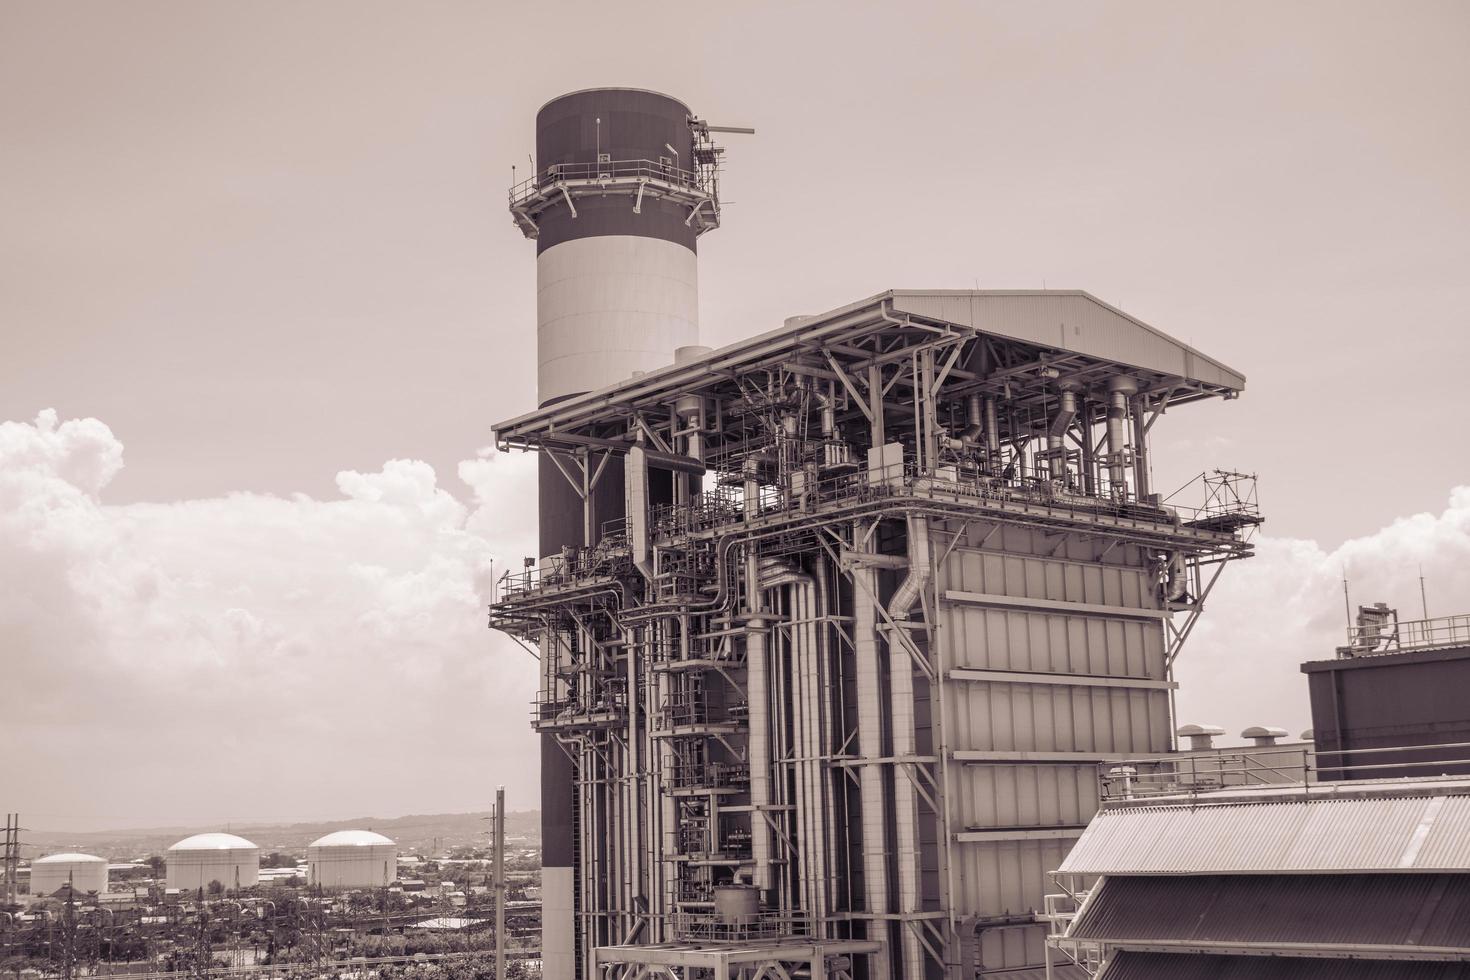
[(836, 623)]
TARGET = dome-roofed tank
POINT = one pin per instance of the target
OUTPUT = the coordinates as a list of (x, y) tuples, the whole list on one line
[(352, 859), (196, 862), (85, 872)]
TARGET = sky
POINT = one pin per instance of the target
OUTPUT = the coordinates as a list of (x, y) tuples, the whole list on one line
[(261, 305)]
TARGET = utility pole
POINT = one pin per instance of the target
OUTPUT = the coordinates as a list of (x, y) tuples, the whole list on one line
[(1423, 598), (500, 883), (8, 875)]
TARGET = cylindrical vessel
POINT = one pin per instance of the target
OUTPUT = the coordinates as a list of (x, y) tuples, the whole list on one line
[(352, 859), (200, 861), (84, 872)]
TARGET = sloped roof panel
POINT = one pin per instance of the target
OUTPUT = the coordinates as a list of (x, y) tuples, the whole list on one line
[(1129, 965), (1071, 320), (1427, 910), (1424, 833)]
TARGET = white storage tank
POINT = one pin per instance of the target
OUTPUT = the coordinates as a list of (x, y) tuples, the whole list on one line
[(352, 859), (195, 862), (86, 873)]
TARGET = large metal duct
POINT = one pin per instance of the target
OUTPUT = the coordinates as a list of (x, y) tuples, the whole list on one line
[(1119, 388)]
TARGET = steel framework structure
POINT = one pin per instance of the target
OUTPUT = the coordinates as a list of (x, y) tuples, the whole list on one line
[(884, 589)]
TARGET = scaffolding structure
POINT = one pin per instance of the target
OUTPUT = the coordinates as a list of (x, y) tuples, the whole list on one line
[(884, 588)]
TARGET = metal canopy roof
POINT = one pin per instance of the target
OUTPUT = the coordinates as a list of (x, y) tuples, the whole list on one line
[(1400, 833), (1271, 910), (1069, 328), (1129, 965)]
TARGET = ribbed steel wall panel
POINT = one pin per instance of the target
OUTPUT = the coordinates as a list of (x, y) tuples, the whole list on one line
[(1377, 909), (997, 876), (1011, 795), (1180, 966), (1308, 836), (1052, 718), (1055, 642)]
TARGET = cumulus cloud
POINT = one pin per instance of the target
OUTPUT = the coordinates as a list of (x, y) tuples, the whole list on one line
[(255, 656), (1286, 606), (260, 657)]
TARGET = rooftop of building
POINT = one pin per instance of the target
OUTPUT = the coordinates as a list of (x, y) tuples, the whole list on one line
[(1362, 826), (1074, 336)]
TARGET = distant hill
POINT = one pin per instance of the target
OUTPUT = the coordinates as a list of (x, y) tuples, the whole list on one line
[(435, 833)]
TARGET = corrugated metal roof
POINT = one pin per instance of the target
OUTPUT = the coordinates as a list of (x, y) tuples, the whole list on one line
[(1424, 833), (1182, 966), (1069, 320), (1431, 910)]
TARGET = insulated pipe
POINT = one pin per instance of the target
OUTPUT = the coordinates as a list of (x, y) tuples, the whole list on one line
[(974, 415), (829, 413), (901, 693), (1141, 487), (909, 589), (758, 695), (870, 750), (811, 802), (1118, 391), (1057, 428), (992, 434)]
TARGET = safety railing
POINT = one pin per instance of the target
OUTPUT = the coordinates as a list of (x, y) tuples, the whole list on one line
[(1192, 774), (754, 927), (710, 775), (723, 506), (1394, 635), (607, 170), (1197, 772)]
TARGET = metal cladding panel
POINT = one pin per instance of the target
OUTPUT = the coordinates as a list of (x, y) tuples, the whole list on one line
[(1054, 718), (1055, 641), (1069, 320), (1389, 701), (1005, 796), (1129, 965), (1001, 876), (1371, 909), (1322, 835)]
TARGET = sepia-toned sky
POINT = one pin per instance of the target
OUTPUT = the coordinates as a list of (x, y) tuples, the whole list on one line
[(255, 257)]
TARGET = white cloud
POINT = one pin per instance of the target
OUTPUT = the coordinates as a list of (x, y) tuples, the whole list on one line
[(254, 656), (1285, 606)]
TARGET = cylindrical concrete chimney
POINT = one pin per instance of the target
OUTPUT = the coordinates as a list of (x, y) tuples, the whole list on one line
[(615, 207)]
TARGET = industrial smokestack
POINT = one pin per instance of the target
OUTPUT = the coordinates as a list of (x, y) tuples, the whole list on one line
[(615, 207)]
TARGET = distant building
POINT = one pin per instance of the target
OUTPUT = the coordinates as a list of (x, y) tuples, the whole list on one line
[(1393, 701), (84, 872), (352, 859), (195, 862)]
